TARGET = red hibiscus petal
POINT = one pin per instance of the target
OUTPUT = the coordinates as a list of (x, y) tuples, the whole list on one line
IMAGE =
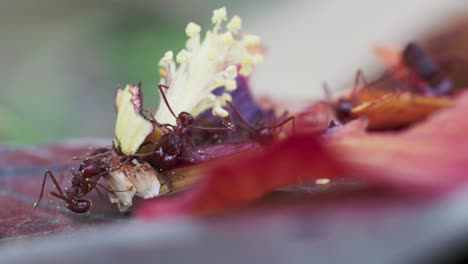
[(243, 178), (430, 156), (316, 118)]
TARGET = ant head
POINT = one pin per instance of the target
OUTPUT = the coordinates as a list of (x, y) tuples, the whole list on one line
[(344, 107), (79, 206), (185, 119)]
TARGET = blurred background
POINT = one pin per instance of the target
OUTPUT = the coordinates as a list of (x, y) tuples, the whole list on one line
[(61, 60)]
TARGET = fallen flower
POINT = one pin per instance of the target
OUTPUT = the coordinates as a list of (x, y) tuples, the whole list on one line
[(156, 144), (426, 158)]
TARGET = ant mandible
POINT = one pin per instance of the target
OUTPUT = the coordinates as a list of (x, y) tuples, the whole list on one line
[(84, 180)]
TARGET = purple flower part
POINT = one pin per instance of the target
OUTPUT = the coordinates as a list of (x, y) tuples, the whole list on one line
[(242, 99), (244, 102)]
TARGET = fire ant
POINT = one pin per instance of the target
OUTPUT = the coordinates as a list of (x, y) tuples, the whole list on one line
[(175, 146), (423, 66), (264, 131), (84, 180)]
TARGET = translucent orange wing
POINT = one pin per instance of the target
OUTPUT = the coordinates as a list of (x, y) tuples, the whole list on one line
[(399, 109)]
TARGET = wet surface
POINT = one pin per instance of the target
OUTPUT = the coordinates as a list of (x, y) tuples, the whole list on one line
[(21, 174), (344, 222)]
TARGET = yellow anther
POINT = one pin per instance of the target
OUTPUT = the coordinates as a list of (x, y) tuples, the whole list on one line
[(234, 25), (230, 72), (219, 15), (230, 85), (246, 69), (251, 40), (221, 112), (192, 29), (166, 59), (225, 97)]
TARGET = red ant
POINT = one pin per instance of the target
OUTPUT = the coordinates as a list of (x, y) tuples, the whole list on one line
[(84, 181), (264, 131), (175, 145)]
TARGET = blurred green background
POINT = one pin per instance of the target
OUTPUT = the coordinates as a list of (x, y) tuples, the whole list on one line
[(61, 60)]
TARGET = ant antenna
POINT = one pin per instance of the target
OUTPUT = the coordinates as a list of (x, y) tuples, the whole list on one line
[(161, 86), (242, 118), (357, 79), (327, 91), (93, 156), (211, 128)]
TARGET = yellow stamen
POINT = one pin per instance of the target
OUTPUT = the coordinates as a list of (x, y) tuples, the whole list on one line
[(192, 29), (234, 25)]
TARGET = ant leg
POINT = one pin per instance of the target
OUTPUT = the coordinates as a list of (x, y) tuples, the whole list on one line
[(189, 141), (163, 94), (93, 156), (360, 76), (60, 196), (56, 184), (149, 116), (291, 118), (211, 128), (99, 192), (357, 78), (236, 111), (327, 91)]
